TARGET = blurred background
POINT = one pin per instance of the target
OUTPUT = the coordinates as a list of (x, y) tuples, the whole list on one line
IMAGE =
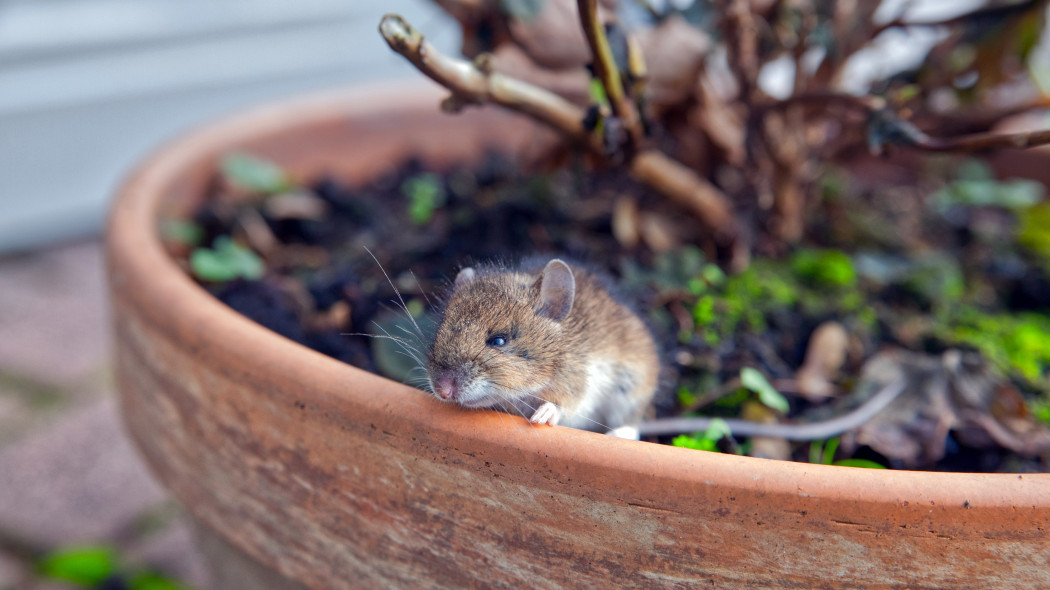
[(88, 88)]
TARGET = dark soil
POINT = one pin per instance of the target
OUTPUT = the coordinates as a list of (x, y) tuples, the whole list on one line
[(323, 289)]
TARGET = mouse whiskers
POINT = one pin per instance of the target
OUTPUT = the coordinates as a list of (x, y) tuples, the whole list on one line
[(401, 300)]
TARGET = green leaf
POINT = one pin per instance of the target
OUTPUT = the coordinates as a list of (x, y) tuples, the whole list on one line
[(1034, 231), (86, 566), (824, 268), (770, 397), (823, 452), (697, 444), (182, 232), (393, 344), (225, 261), (863, 463), (718, 430), (686, 397), (1008, 194), (706, 441), (829, 450), (254, 173), (597, 92), (425, 194)]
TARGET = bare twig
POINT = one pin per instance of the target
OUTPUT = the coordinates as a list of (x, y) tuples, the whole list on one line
[(864, 104), (980, 142), (741, 33), (683, 186), (604, 63), (607, 71), (475, 83), (909, 135)]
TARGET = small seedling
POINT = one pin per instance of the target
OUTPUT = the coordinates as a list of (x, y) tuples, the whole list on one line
[(824, 268), (705, 441), (823, 453), (255, 174), (226, 260), (99, 566), (771, 398), (425, 194)]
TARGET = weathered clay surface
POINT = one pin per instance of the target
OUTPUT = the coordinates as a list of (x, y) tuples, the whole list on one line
[(339, 478)]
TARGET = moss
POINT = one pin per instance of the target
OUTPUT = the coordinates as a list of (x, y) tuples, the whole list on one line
[(747, 301), (1033, 232), (425, 195), (1040, 410), (1014, 343), (824, 268)]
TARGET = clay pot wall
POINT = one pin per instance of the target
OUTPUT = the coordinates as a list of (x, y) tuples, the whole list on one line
[(337, 478)]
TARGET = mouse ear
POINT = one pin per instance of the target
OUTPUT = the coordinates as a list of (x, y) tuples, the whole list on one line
[(557, 291), (465, 276)]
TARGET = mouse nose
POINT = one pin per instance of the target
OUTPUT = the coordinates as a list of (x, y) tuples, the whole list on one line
[(446, 386)]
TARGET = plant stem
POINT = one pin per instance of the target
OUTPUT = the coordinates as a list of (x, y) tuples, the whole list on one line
[(980, 142), (471, 84), (476, 83), (916, 139), (607, 71)]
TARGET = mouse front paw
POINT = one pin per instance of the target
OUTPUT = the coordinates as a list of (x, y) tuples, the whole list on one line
[(628, 432), (548, 413)]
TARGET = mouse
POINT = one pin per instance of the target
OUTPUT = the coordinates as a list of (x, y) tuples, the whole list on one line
[(545, 340)]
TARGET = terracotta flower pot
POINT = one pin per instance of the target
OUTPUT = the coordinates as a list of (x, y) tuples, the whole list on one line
[(333, 477)]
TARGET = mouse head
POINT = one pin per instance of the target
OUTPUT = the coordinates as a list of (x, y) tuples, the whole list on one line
[(499, 340)]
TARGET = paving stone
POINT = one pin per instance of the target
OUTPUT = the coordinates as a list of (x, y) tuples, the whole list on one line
[(12, 572), (77, 480), (53, 313), (26, 406), (173, 552)]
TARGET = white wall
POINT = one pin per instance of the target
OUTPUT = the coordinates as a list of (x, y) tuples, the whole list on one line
[(87, 87)]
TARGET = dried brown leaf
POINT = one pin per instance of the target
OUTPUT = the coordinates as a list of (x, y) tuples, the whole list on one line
[(825, 355), (298, 205), (257, 232), (658, 232), (625, 222), (336, 317), (912, 430), (955, 392), (720, 121)]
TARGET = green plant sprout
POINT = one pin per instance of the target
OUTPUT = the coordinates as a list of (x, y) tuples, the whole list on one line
[(1014, 343), (425, 195), (705, 441), (824, 268), (255, 174), (182, 232), (755, 381), (226, 260), (822, 452), (100, 566)]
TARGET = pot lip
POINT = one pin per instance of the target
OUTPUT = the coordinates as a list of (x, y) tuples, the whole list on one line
[(141, 271)]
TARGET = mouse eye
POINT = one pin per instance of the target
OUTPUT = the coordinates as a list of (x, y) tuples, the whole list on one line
[(499, 340)]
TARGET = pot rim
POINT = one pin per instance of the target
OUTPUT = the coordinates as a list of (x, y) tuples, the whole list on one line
[(140, 268)]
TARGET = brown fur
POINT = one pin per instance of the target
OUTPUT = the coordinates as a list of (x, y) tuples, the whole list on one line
[(543, 359)]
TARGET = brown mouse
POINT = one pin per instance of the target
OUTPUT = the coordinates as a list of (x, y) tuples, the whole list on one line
[(544, 341)]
